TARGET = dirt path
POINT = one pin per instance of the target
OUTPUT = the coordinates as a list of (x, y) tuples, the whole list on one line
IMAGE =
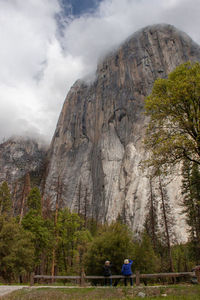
[(6, 289)]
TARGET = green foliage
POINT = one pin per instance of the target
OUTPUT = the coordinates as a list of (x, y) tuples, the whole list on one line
[(151, 221), (145, 259), (16, 250), (40, 232), (93, 226), (182, 258), (191, 201), (5, 200), (174, 131), (72, 241), (113, 243), (69, 244), (34, 200)]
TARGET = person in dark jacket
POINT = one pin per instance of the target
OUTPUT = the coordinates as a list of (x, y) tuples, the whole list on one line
[(107, 273), (126, 271)]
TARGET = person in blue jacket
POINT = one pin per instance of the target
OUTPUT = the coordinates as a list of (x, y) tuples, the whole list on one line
[(126, 271)]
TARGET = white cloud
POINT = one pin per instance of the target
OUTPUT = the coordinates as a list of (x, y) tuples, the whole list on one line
[(38, 64)]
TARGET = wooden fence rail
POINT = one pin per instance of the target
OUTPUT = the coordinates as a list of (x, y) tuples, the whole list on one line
[(81, 279)]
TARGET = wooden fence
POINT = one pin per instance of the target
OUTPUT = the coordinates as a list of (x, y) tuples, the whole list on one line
[(83, 278)]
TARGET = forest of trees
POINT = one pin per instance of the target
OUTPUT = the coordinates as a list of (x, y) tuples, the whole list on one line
[(60, 242)]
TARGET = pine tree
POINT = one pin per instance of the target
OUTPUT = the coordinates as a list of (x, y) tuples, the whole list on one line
[(151, 222), (5, 200), (68, 228), (14, 196), (40, 229), (86, 208), (58, 205), (145, 259), (34, 200), (167, 221), (25, 193), (191, 202), (16, 250), (182, 259)]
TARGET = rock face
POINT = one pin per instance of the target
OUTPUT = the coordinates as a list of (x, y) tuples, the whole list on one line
[(19, 156), (22, 165), (95, 154)]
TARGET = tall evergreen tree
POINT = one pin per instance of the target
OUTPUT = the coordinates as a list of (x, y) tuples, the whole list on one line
[(16, 250), (145, 259), (182, 259), (151, 222), (34, 200), (70, 230), (41, 230), (191, 202), (58, 205), (5, 200), (25, 193), (167, 222)]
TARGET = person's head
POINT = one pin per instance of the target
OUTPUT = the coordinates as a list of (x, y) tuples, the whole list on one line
[(126, 261), (107, 263)]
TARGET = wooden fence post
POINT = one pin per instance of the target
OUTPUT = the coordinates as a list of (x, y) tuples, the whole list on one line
[(32, 278), (137, 279), (82, 279), (197, 273)]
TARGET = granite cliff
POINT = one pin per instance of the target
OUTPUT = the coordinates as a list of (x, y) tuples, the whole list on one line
[(95, 154), (19, 158)]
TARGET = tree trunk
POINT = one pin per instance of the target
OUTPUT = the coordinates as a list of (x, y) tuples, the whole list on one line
[(166, 227), (26, 190), (85, 208), (55, 229), (14, 197), (152, 214)]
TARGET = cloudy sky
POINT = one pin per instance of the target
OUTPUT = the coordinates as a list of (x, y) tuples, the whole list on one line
[(46, 45)]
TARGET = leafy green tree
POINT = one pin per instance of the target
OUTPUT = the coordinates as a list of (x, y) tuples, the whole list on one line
[(173, 132), (16, 250), (114, 243), (5, 200)]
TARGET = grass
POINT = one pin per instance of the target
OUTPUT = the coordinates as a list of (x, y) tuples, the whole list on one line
[(173, 293)]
